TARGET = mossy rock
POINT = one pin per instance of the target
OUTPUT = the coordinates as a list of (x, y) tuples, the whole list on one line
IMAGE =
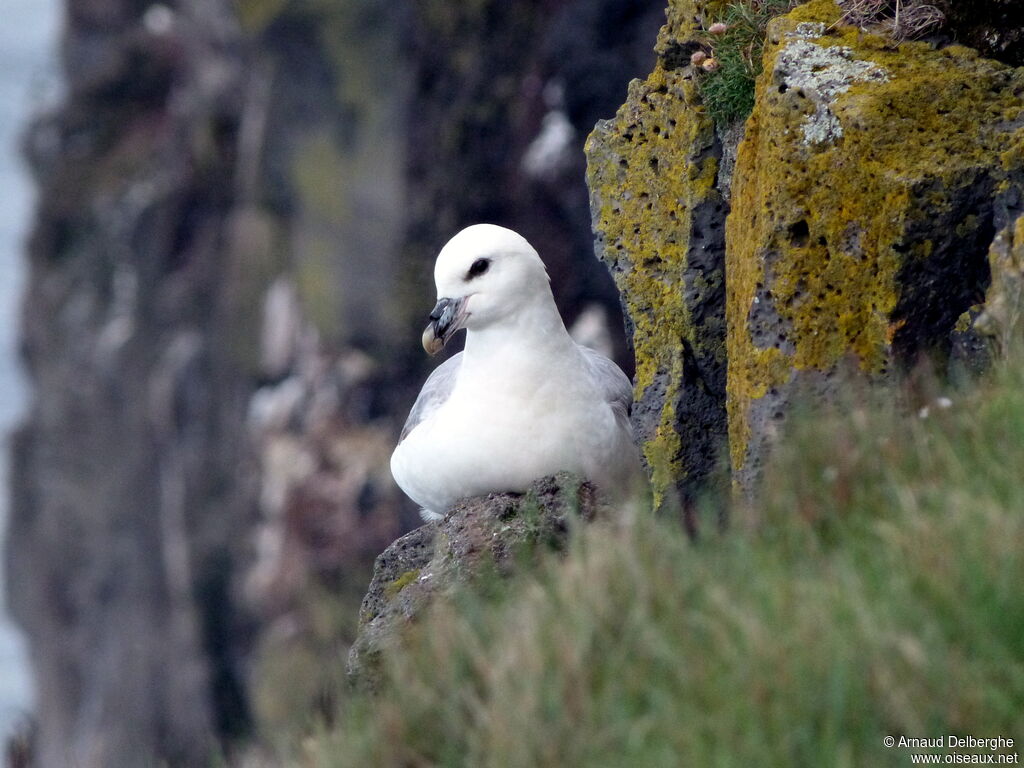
[(867, 190), (658, 217), (994, 328), (479, 539), (1001, 318), (993, 27)]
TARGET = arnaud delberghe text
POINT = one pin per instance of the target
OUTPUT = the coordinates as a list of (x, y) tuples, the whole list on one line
[(956, 742)]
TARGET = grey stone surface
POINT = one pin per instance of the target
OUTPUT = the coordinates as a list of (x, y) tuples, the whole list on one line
[(478, 539)]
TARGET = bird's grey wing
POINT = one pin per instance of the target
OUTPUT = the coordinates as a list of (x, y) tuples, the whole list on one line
[(435, 392), (617, 388)]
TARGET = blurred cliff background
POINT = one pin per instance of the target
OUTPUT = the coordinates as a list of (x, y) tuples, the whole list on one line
[(229, 263), (226, 270), (27, 80)]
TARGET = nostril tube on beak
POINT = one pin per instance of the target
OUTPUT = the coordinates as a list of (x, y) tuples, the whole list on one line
[(441, 313), (444, 321)]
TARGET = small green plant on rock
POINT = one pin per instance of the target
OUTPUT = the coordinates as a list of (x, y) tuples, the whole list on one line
[(735, 42)]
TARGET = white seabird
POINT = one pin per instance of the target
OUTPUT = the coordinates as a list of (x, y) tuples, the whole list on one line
[(523, 400)]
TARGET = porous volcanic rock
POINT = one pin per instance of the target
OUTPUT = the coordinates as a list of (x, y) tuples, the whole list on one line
[(479, 538), (867, 190)]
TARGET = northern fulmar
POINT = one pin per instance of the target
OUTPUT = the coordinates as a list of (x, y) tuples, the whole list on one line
[(523, 400)]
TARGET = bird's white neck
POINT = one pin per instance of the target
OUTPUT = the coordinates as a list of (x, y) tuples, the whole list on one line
[(519, 342)]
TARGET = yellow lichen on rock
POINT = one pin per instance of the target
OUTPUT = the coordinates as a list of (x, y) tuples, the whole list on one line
[(659, 220), (863, 238), (642, 200), (402, 582)]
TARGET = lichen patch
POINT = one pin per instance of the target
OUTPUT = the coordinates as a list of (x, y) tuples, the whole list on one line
[(822, 74), (808, 30)]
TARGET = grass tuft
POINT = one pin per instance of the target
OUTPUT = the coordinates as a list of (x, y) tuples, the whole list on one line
[(874, 590), (728, 91)]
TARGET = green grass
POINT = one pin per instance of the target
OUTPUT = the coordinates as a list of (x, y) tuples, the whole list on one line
[(728, 92), (875, 589)]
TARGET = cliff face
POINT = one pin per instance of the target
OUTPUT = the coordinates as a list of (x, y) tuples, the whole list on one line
[(995, 28), (659, 219), (867, 189), (503, 96), (129, 476)]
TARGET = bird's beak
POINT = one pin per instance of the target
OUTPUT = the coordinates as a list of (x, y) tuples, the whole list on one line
[(446, 318)]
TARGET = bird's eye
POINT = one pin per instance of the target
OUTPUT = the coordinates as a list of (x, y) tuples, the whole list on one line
[(478, 268)]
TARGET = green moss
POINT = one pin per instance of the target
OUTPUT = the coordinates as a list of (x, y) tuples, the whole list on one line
[(831, 253), (401, 582), (530, 514), (963, 323)]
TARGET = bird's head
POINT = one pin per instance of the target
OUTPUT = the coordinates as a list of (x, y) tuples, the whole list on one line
[(484, 275)]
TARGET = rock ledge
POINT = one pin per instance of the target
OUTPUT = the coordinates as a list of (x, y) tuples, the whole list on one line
[(480, 536)]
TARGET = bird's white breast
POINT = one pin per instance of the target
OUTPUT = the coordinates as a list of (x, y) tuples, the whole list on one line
[(497, 434)]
